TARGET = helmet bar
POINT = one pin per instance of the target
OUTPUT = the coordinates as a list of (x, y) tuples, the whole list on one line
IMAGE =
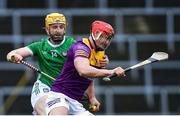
[(99, 34)]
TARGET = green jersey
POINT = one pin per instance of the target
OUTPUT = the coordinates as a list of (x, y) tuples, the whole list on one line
[(51, 58)]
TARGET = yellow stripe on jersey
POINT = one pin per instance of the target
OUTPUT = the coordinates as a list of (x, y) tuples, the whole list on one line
[(96, 56), (81, 53)]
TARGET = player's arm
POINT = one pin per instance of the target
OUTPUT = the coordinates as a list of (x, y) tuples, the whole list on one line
[(81, 54), (92, 99), (17, 55), (83, 67)]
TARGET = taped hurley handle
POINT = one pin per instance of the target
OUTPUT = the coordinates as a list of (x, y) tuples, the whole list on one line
[(36, 69), (108, 78)]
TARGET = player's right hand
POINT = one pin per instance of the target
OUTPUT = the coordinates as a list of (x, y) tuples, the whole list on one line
[(16, 58), (119, 72)]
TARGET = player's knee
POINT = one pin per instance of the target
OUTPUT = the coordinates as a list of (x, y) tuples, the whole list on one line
[(39, 110), (59, 111), (40, 106)]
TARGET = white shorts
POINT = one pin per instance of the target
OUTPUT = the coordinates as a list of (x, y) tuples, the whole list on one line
[(39, 90), (56, 99)]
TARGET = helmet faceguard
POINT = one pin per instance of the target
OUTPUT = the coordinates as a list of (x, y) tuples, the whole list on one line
[(101, 32)]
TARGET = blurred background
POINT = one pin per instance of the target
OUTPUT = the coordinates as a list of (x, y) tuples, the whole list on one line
[(142, 27)]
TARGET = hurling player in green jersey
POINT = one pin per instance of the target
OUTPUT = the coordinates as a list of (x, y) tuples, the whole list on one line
[(51, 54)]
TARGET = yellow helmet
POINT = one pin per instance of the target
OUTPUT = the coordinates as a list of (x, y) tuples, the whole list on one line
[(54, 18)]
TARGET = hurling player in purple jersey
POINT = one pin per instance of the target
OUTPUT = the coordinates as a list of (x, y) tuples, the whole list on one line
[(81, 67)]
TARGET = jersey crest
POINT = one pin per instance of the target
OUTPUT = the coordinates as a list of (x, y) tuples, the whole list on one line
[(64, 54)]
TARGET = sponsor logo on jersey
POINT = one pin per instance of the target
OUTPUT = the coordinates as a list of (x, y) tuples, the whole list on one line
[(36, 88)]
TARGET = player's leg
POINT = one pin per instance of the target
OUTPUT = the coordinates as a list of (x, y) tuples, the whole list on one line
[(60, 104), (59, 111), (77, 108), (39, 106), (56, 104), (38, 97)]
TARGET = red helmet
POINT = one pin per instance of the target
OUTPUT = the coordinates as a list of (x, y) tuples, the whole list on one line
[(102, 27)]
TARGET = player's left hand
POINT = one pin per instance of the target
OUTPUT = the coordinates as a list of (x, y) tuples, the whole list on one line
[(103, 62), (94, 104)]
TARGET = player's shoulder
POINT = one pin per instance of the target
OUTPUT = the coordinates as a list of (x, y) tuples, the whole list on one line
[(69, 38), (41, 40), (79, 48), (69, 41), (38, 43), (80, 45), (44, 39)]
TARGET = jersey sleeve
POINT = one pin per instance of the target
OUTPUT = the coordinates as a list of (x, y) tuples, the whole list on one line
[(34, 47), (81, 50)]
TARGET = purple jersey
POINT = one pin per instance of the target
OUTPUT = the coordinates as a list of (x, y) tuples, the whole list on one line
[(69, 82)]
